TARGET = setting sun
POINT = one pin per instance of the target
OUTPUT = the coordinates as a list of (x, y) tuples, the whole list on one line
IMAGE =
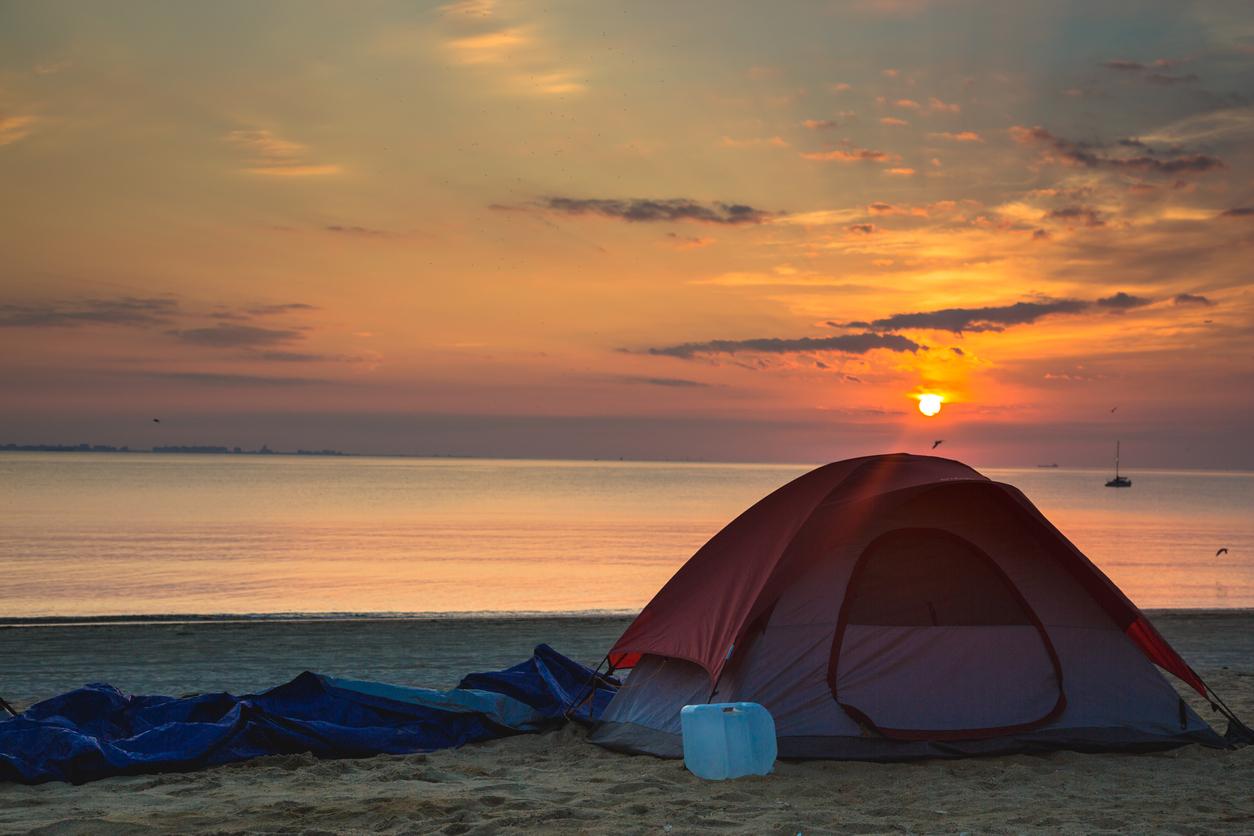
[(930, 404)]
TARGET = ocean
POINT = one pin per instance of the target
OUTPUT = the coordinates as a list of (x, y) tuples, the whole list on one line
[(98, 535)]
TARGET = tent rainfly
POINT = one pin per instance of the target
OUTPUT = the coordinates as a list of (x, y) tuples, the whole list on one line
[(901, 606)]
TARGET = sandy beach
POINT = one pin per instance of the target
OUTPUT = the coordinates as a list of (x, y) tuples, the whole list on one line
[(560, 783)]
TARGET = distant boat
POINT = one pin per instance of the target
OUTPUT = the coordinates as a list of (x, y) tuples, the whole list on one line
[(1118, 481), (1055, 464)]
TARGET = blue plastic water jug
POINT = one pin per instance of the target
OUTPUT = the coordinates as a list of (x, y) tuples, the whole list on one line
[(728, 740)]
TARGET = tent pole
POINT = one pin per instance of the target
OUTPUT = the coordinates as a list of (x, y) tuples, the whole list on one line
[(7, 707), (588, 687), (1238, 733)]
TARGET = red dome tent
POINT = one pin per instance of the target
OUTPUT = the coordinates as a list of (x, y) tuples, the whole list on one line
[(900, 606)]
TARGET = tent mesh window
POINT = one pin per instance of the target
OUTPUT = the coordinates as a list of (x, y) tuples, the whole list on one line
[(934, 642), (921, 577)]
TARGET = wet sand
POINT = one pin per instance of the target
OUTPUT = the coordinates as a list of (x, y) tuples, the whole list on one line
[(559, 783)]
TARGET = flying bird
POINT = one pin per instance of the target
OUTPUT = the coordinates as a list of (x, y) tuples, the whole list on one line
[(1221, 551), (938, 442), (156, 420), (1113, 408)]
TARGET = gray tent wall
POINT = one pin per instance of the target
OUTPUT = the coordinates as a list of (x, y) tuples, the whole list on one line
[(1115, 698)]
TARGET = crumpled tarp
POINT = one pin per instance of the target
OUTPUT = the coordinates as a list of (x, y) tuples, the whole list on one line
[(97, 731)]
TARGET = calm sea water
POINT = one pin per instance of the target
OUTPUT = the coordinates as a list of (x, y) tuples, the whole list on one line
[(103, 534)]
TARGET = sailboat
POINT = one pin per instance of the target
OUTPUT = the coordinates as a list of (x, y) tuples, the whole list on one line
[(1118, 481)]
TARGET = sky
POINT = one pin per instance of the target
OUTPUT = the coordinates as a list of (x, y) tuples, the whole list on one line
[(706, 230)]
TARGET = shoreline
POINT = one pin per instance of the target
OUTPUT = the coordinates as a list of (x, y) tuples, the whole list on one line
[(241, 655), (130, 620)]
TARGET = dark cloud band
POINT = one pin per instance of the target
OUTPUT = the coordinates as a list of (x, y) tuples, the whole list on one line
[(124, 310), (1095, 155), (959, 320), (845, 344), (659, 211)]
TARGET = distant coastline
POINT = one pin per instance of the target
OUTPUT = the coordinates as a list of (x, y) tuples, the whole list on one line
[(199, 449)]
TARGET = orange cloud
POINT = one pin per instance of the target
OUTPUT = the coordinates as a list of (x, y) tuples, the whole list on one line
[(274, 156), (881, 208), (16, 128), (294, 170), (959, 136), (490, 47), (893, 121)]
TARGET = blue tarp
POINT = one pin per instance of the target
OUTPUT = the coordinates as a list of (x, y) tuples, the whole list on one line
[(97, 731)]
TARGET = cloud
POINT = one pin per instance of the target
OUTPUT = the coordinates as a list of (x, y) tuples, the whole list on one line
[(358, 231), (16, 128), (893, 122), (637, 210), (850, 155), (880, 207), (266, 144), (994, 318), (1232, 123), (1099, 156), (236, 336), (862, 229), (274, 156), (667, 382), (281, 308), (689, 242), (305, 357), (1123, 301), (1078, 214), (295, 357), (1170, 80), (907, 104), (516, 57), (1125, 65), (488, 47), (827, 124), (845, 344), (553, 83), (1238, 212), (294, 170), (1193, 299), (937, 105), (957, 136), (124, 310), (960, 320), (900, 172)]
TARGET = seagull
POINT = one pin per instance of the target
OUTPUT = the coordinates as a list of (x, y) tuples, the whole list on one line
[(1221, 551), (1113, 408), (156, 420), (938, 442)]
